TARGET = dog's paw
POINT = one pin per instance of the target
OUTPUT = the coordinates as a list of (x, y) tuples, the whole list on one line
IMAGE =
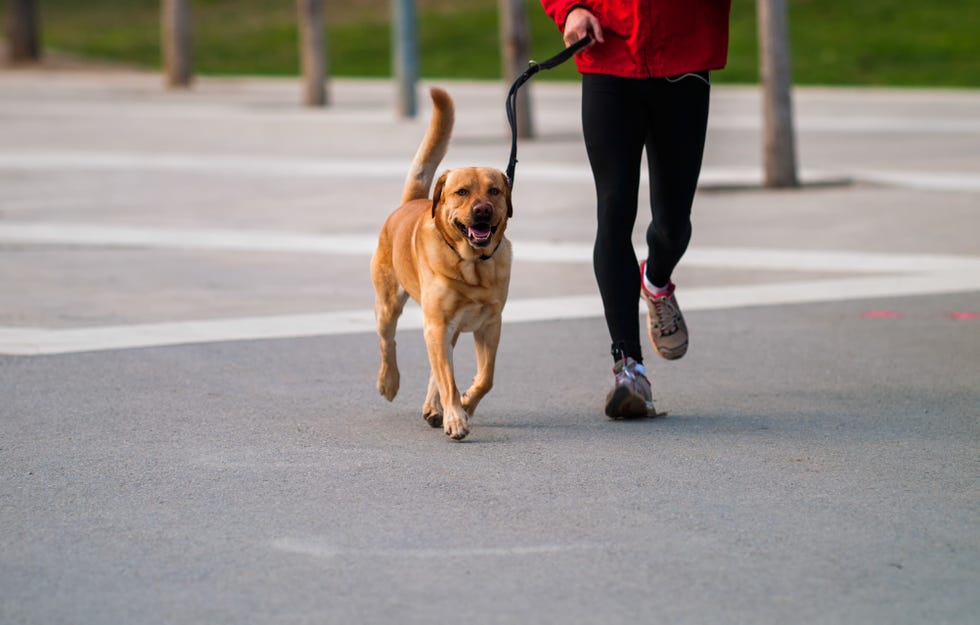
[(388, 381), (455, 428), (434, 419)]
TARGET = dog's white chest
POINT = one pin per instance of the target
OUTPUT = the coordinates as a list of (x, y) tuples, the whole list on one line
[(472, 317)]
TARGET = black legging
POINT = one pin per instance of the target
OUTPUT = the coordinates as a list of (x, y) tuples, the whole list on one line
[(621, 116)]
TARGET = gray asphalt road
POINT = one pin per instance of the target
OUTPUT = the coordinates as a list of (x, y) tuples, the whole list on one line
[(817, 462)]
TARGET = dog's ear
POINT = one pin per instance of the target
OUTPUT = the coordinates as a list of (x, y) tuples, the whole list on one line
[(437, 192), (510, 205)]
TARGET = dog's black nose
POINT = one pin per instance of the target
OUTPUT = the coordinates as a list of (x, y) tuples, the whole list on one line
[(482, 211)]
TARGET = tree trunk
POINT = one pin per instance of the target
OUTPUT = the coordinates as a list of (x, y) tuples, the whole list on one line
[(515, 44), (312, 52), (176, 42), (405, 55), (778, 143), (23, 31)]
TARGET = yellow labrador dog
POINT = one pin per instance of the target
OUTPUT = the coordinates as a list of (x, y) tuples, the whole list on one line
[(450, 255)]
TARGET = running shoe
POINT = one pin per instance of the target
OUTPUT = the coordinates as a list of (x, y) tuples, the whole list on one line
[(665, 323), (631, 397)]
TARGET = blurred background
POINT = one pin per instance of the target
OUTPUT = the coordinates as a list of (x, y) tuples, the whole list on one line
[(833, 42)]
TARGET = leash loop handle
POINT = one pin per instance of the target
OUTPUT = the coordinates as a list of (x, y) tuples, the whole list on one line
[(511, 105)]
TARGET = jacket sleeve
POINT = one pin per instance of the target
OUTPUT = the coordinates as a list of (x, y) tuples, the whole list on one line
[(558, 10)]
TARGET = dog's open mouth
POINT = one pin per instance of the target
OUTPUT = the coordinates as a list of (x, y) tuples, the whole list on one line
[(478, 234)]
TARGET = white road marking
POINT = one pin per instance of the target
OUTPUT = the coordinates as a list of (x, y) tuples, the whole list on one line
[(323, 550), (394, 169), (39, 341), (865, 124), (354, 244), (924, 180), (206, 164), (224, 111), (51, 233)]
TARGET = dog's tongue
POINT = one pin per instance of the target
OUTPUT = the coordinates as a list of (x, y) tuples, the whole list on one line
[(479, 233)]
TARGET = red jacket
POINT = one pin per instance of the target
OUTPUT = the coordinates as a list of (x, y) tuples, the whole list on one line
[(651, 38)]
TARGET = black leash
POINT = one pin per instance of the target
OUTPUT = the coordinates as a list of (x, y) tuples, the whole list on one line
[(533, 68)]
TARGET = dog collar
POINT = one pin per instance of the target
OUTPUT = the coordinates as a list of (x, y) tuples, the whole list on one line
[(490, 255)]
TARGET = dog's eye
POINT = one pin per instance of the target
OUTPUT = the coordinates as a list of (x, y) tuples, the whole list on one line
[(494, 191), (462, 192)]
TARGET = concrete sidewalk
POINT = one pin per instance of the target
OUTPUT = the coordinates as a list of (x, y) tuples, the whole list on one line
[(189, 430)]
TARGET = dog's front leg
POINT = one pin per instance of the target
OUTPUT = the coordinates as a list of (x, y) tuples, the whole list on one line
[(439, 339), (432, 408), (486, 339)]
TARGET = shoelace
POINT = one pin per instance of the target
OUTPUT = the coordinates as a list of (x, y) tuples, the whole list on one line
[(667, 315)]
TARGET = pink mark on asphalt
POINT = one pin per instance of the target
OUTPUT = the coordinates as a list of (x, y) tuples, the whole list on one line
[(882, 314), (963, 315)]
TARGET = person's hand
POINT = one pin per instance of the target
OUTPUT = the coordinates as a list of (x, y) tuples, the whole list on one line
[(579, 23)]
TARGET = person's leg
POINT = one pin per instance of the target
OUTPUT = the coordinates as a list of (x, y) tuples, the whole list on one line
[(614, 127), (678, 109)]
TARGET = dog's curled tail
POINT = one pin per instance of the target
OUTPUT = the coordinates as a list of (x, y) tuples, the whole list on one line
[(434, 145)]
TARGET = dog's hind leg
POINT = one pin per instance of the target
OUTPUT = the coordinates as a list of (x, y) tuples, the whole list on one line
[(389, 302), (486, 340), (432, 408)]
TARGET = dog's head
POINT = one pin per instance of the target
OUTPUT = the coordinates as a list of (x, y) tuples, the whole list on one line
[(472, 203)]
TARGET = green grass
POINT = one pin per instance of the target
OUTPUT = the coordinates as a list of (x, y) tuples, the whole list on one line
[(879, 42), (874, 42)]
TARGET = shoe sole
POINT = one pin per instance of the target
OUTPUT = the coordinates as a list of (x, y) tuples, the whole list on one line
[(622, 404), (670, 354)]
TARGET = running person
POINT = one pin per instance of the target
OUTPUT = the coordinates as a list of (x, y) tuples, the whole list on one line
[(645, 85)]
